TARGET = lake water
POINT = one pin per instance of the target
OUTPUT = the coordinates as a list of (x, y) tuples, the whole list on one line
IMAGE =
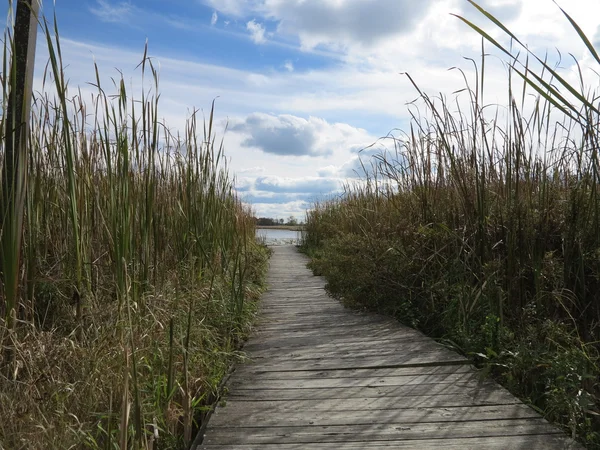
[(278, 237)]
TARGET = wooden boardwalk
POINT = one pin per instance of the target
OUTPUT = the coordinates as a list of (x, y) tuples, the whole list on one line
[(325, 377)]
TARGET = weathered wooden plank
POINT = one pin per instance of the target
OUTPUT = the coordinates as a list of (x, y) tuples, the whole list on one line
[(261, 337), (366, 404), (356, 361), (416, 359), (337, 337), (341, 344), (531, 442), (326, 334), (301, 308), (341, 351), (347, 323), (474, 389), (378, 432), (255, 372), (316, 383), (356, 350), (300, 287), (304, 417), (300, 313), (304, 312)]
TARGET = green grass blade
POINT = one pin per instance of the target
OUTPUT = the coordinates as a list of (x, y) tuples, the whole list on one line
[(582, 35)]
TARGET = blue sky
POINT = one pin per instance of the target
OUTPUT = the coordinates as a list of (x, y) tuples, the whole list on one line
[(302, 84), (182, 29)]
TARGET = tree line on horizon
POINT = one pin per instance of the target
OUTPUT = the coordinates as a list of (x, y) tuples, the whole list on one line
[(270, 222)]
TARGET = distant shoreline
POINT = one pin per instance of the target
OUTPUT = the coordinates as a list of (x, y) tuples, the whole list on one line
[(281, 227)]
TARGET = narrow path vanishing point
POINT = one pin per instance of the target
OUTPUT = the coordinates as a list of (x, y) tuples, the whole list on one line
[(322, 376)]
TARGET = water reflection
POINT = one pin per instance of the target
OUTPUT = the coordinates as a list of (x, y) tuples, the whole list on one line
[(278, 237)]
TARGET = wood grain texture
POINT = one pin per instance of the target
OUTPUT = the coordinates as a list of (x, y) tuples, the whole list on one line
[(320, 376)]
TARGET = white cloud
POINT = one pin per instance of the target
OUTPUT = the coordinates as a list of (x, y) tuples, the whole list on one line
[(274, 196), (333, 22), (252, 170), (305, 185), (244, 184), (214, 18), (328, 171), (257, 31), (503, 10), (141, 18), (289, 135), (391, 33), (283, 135), (115, 13), (235, 8), (345, 22), (289, 66), (365, 161)]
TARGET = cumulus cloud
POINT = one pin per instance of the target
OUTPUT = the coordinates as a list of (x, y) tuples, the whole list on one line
[(346, 22), (244, 184), (257, 31), (295, 136), (328, 171), (275, 196), (214, 18), (289, 66), (306, 185), (334, 22), (259, 198), (364, 164), (280, 135)]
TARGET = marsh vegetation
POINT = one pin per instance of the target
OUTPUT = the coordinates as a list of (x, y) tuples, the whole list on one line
[(138, 275)]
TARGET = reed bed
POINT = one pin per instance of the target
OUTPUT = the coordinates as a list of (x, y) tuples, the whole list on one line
[(138, 275), (482, 229)]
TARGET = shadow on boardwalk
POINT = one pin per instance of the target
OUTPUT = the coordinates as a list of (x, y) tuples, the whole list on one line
[(325, 377)]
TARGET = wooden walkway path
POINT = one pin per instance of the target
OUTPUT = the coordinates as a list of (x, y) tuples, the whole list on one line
[(325, 377)]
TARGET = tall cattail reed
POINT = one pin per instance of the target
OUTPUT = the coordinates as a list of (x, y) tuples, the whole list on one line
[(139, 274)]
